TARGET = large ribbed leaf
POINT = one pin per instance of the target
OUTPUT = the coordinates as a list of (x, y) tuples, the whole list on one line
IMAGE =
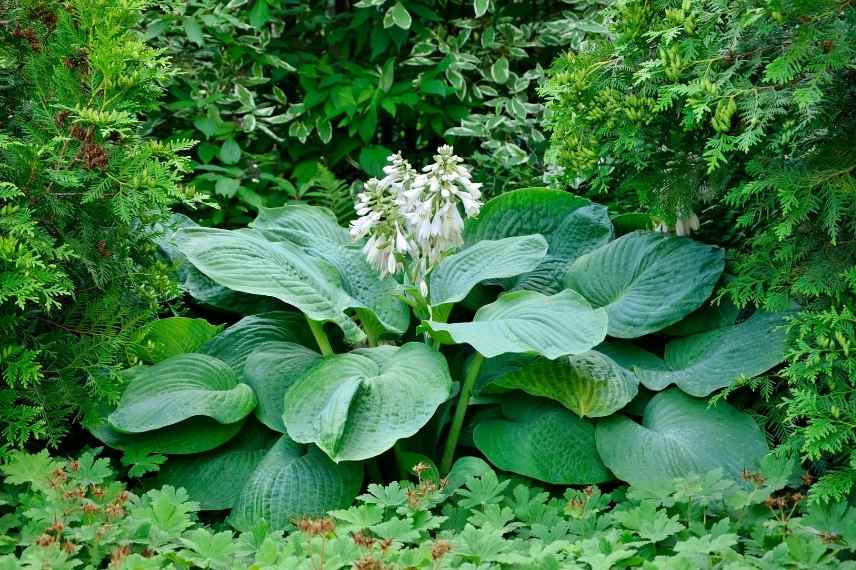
[(165, 338), (294, 221), (193, 435), (705, 362), (457, 274), (237, 342), (180, 388), (292, 481), (197, 284), (357, 405), (244, 261), (526, 321), (647, 280), (571, 225), (589, 384), (541, 439), (318, 233), (680, 435), (271, 370), (216, 479)]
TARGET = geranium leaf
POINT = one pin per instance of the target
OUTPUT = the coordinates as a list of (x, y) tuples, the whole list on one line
[(647, 280), (526, 321), (541, 439), (357, 405), (680, 435), (180, 388)]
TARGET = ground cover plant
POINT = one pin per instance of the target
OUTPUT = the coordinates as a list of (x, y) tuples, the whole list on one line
[(738, 126), (68, 513)]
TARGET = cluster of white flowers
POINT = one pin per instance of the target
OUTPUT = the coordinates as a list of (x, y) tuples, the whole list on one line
[(415, 216)]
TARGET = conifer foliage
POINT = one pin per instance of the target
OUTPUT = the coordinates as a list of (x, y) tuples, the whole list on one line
[(739, 117), (79, 185)]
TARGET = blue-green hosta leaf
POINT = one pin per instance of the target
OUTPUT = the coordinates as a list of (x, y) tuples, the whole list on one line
[(357, 405), (647, 280), (193, 435), (526, 321), (215, 479), (702, 363), (294, 221), (318, 233), (199, 286), (292, 481), (541, 439), (237, 342), (589, 384), (680, 435), (181, 388), (571, 225), (165, 338), (456, 275), (271, 370), (243, 261)]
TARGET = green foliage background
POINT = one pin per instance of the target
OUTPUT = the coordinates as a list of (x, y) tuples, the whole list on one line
[(279, 92), (741, 113)]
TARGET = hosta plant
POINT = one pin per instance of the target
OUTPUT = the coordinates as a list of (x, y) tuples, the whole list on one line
[(585, 356)]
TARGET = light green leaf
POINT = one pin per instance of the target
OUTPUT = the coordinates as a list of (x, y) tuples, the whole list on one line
[(165, 338), (193, 30), (647, 280), (180, 388), (456, 275), (237, 342), (571, 225), (324, 129), (397, 15), (293, 481), (230, 152), (270, 371), (245, 262), (215, 479), (526, 321), (499, 70), (589, 384), (357, 405), (541, 439), (480, 7), (705, 362), (679, 436)]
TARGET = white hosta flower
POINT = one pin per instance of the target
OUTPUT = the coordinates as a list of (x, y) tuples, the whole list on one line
[(415, 216), (686, 224)]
